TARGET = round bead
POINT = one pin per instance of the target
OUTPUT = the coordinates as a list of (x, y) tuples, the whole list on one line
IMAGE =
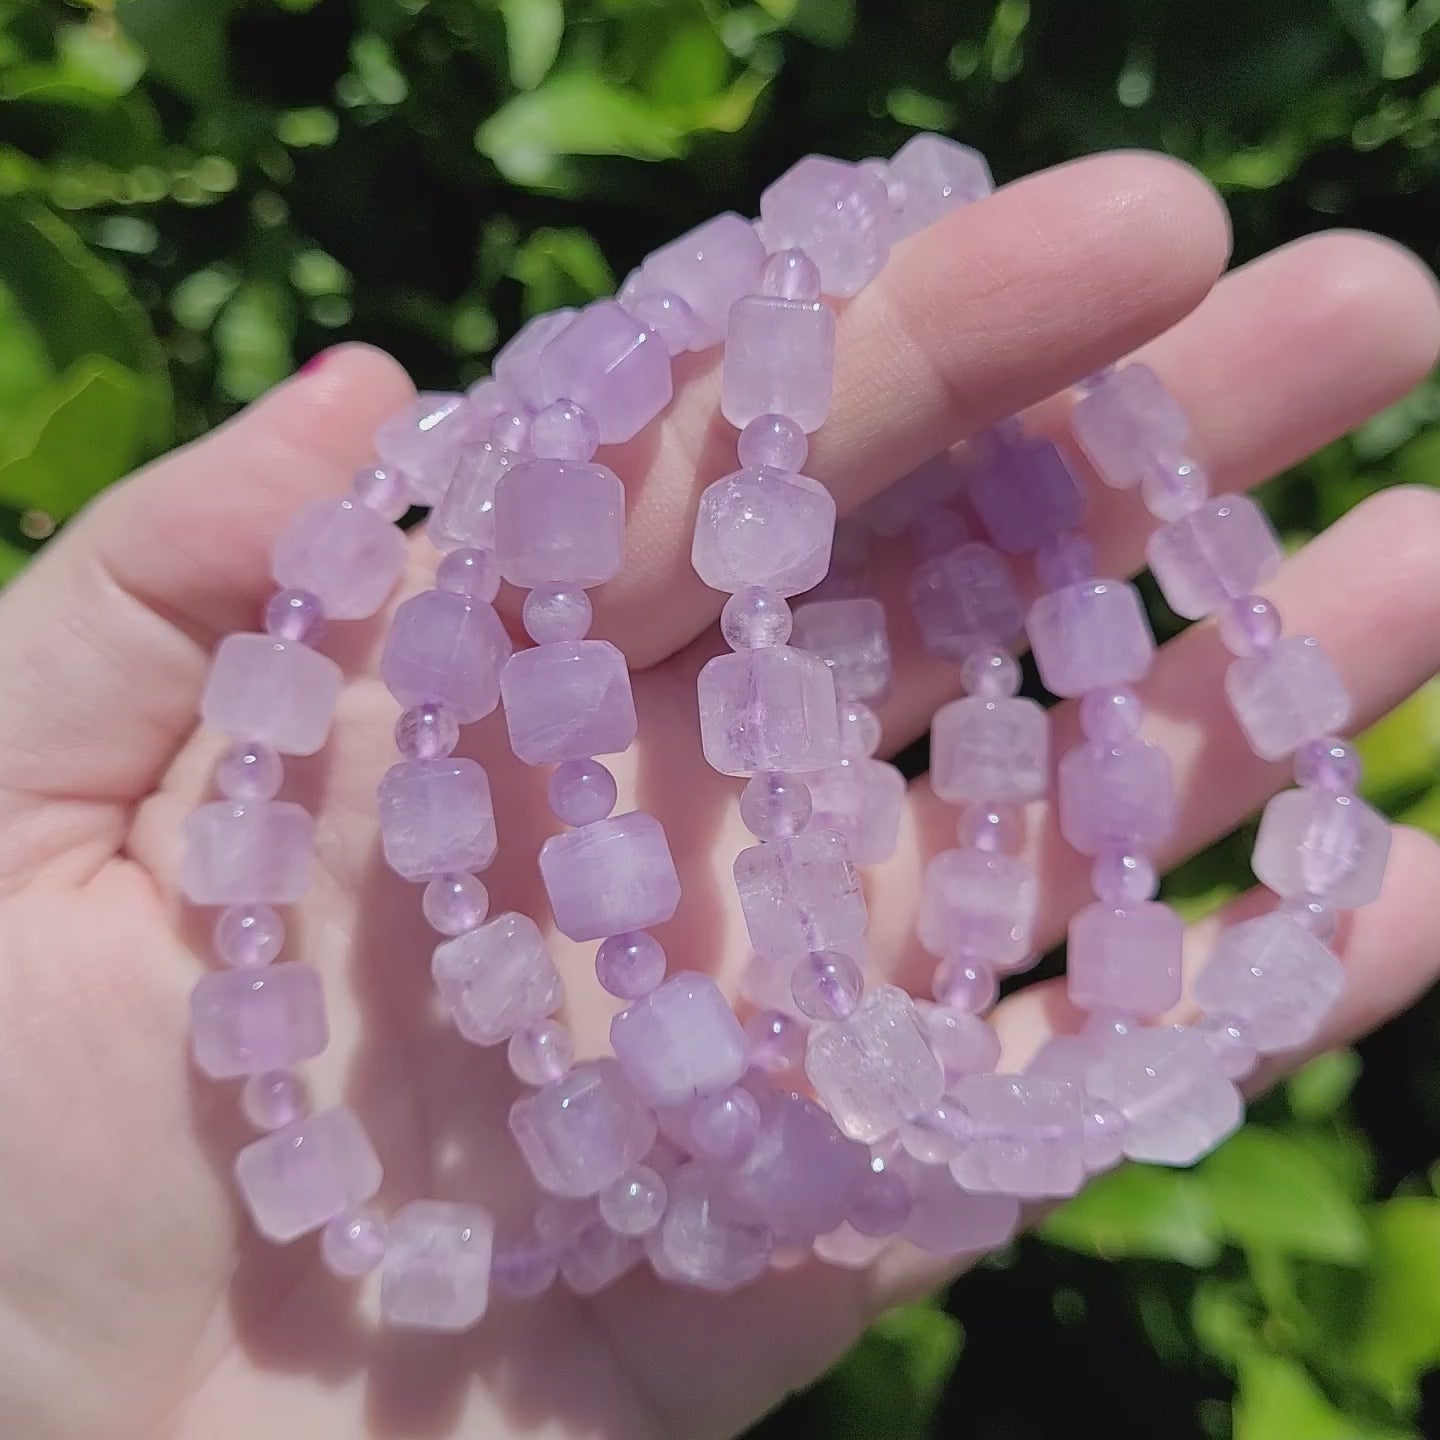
[(725, 1126), (1103, 1135), (273, 1100), (991, 674), (775, 806), (965, 984), (1230, 1043), (1123, 879), (1328, 764), (469, 572), (1314, 914), (453, 904), (564, 431), (581, 792), (1249, 625), (935, 1136), (511, 431), (826, 985), (938, 533), (630, 965), (994, 829), (670, 318), (634, 1204), (860, 731), (248, 936), (1064, 559), (879, 1204), (427, 732), (383, 490), (556, 612), (295, 615), (790, 274), (353, 1245), (755, 619), (523, 1270), (249, 772), (772, 440), (776, 1042), (1111, 715), (1173, 487), (541, 1052)]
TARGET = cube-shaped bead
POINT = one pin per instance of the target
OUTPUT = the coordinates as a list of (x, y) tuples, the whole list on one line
[(1125, 421), (1117, 797), (270, 691), (764, 527), (596, 1256), (497, 978), (1090, 635), (436, 1271), (421, 440), (963, 601), (465, 513), (1216, 554), (1026, 1137), (979, 905), (860, 799), (446, 649), (568, 701), (612, 366), (559, 521), (875, 1068), (985, 750), (837, 213), (436, 817), (609, 877), (344, 553), (1315, 842), (1287, 695), (1125, 958), (258, 852), (517, 362), (1024, 493), (779, 360), (581, 1132), (770, 709), (934, 175), (708, 1239), (243, 1022), (851, 637), (800, 895), (680, 1041), (300, 1178), (709, 268), (946, 1220)]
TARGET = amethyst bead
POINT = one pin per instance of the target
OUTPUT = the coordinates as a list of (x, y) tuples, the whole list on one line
[(1125, 957), (1223, 550), (436, 817), (540, 1053), (581, 792), (837, 213), (352, 1245), (497, 979), (1125, 419), (1090, 635), (630, 965), (770, 709), (779, 360), (446, 649), (1026, 1137), (772, 442), (568, 700), (453, 904), (270, 691), (274, 1099), (980, 905), (769, 528), (344, 554), (852, 638), (1318, 843), (1117, 797), (610, 876), (246, 854), (861, 800), (1286, 696), (557, 612), (464, 517), (800, 895), (775, 806), (826, 985), (680, 1041), (635, 1203), (709, 267), (436, 1270), (559, 521), (248, 935), (427, 732), (934, 176), (989, 750), (249, 772), (963, 601), (755, 618)]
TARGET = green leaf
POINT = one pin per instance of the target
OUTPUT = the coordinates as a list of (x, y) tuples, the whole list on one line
[(533, 31), (1270, 1193), (1402, 750), (560, 267), (252, 336), (1317, 1090), (1277, 1397), (1398, 1336), (187, 45), (1139, 1211)]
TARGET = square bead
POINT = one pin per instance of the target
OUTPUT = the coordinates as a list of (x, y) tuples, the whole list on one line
[(800, 895), (436, 1271), (568, 701), (465, 514), (446, 649), (497, 978), (875, 1068), (963, 601), (1287, 695), (1026, 1137), (344, 554), (763, 527), (1217, 553), (1024, 493), (1115, 797), (1315, 842), (421, 440), (946, 1220), (709, 268), (989, 751), (934, 175), (1090, 635), (837, 213), (243, 1022), (609, 877), (580, 1133), (1126, 420), (1125, 958), (769, 709), (779, 360), (436, 817), (256, 853), (612, 366), (274, 692), (559, 521), (979, 905), (517, 361), (851, 637), (860, 800), (680, 1041), (300, 1178)]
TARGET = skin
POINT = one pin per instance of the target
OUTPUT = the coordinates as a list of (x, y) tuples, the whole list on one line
[(134, 1302)]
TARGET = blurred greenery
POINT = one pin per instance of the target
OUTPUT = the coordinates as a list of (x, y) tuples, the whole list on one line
[(195, 194)]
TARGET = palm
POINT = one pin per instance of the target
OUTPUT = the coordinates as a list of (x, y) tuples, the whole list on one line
[(132, 1301)]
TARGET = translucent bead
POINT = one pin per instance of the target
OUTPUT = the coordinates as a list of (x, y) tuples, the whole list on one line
[(774, 805), (427, 732), (353, 1245), (556, 612), (779, 360), (852, 637), (630, 965), (341, 552), (1318, 843), (497, 978), (261, 851), (469, 572), (1065, 559), (995, 829), (385, 490), (540, 1053), (962, 983), (1314, 914), (964, 1044), (1173, 486), (990, 673), (766, 528), (274, 1099), (879, 1202), (709, 267), (838, 213), (267, 690), (524, 1270), (936, 1135), (671, 320), (1328, 764), (772, 440), (790, 274), (1249, 626), (247, 936), (965, 600), (776, 1042), (510, 430), (826, 985), (582, 791), (1231, 1043), (770, 709), (453, 904), (436, 1271), (1110, 715), (1125, 957), (295, 615), (610, 876), (1089, 635), (635, 1203), (985, 751), (1123, 879), (725, 1126), (564, 431), (249, 772), (754, 618), (561, 522), (1103, 1135), (860, 731), (1220, 551)]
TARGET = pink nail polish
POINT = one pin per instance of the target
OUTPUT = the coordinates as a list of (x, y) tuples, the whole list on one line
[(314, 363)]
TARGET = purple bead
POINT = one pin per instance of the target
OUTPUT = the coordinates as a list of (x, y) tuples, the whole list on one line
[(1314, 914), (965, 600), (564, 431), (464, 517), (523, 1270), (1174, 486), (427, 732), (510, 430), (772, 442), (980, 905), (1104, 1132), (485, 401), (247, 936), (249, 772), (800, 895), (770, 709), (295, 615), (679, 1042), (767, 528), (995, 751), (1328, 764), (775, 806), (447, 649), (1229, 1040), (1125, 958), (517, 362), (965, 984), (497, 979), (990, 673), (610, 876), (1111, 715), (995, 829), (879, 1203), (934, 176), (453, 904), (384, 491), (1120, 879), (344, 554), (557, 612), (851, 637), (246, 854), (581, 792), (352, 1245), (1025, 493), (559, 521), (420, 441), (837, 213), (826, 985), (777, 1042), (631, 964), (962, 1042), (436, 817), (709, 267), (1249, 625), (634, 1204), (596, 1257), (1224, 550), (1318, 843), (540, 1053), (1126, 419), (790, 274), (1064, 560), (860, 730), (671, 320), (269, 691), (469, 572), (1115, 797), (945, 1220), (1286, 696), (724, 1126), (274, 1099), (708, 1240), (1090, 635), (779, 360), (861, 800), (1026, 1137), (436, 1271), (568, 700)]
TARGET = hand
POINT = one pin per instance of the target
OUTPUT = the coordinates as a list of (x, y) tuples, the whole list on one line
[(134, 1301)]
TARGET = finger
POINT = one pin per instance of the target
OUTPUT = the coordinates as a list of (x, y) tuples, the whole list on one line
[(996, 306)]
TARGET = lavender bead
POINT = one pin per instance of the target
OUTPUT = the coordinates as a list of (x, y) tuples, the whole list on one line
[(879, 1203), (270, 691), (630, 965), (671, 320), (755, 618), (420, 441), (274, 1098), (352, 1245), (861, 800), (581, 792), (596, 1257), (1064, 560), (1123, 421), (709, 267), (427, 732), (453, 904), (837, 213), (436, 1271), (1115, 797), (860, 730), (989, 750), (779, 360), (774, 805), (1286, 696), (962, 1042), (247, 936), (249, 772), (776, 1040), (436, 817), (343, 553), (559, 521), (679, 1042), (540, 1053), (708, 1240), (917, 497), (1125, 957), (296, 616), (384, 491), (800, 895), (769, 528), (772, 442), (1090, 635), (635, 1203), (725, 1126), (1110, 715), (826, 985), (983, 905), (446, 649), (964, 983), (522, 1270), (1249, 625), (770, 709), (1025, 493), (564, 431), (964, 601), (1119, 878), (851, 637), (243, 1022), (469, 572), (517, 362), (945, 1220), (246, 854), (497, 979), (611, 876), (1223, 550), (568, 700), (1026, 1137), (557, 612), (935, 175), (990, 673), (464, 517), (791, 274), (1317, 843)]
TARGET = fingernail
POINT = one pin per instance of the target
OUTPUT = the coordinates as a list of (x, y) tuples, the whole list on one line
[(314, 362)]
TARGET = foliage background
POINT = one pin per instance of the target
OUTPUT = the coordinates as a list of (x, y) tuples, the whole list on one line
[(195, 194)]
